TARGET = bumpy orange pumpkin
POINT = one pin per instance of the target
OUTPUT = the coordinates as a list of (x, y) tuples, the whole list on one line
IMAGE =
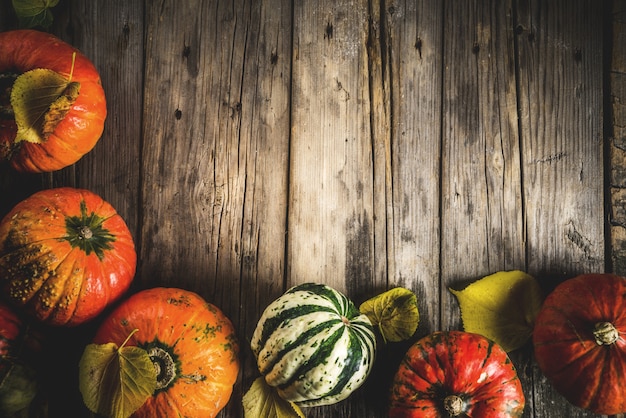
[(75, 133), (580, 341), (65, 254), (192, 343)]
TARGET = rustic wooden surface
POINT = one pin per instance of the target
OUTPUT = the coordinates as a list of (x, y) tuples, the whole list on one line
[(256, 144)]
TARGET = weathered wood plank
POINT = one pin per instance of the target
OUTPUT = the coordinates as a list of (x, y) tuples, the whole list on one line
[(414, 45), (617, 127), (331, 191), (561, 124)]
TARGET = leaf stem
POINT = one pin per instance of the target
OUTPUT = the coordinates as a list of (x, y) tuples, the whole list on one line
[(128, 338), (73, 64)]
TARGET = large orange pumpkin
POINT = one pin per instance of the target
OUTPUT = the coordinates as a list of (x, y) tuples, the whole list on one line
[(191, 342), (580, 341), (65, 254), (78, 130)]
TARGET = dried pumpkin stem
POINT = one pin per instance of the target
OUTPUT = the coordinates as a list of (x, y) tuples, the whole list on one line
[(165, 366), (605, 333), (454, 405), (85, 232)]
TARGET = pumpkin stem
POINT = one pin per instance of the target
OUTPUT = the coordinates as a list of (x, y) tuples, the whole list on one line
[(165, 367), (454, 405), (605, 333), (87, 232)]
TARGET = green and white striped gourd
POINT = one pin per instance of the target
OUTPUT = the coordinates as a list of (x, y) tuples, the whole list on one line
[(313, 345)]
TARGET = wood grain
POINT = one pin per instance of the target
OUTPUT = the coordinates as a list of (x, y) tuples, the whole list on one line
[(561, 134), (252, 145)]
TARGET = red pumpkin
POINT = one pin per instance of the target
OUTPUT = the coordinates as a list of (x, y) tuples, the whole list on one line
[(78, 130), (65, 254), (454, 373), (191, 342), (580, 341)]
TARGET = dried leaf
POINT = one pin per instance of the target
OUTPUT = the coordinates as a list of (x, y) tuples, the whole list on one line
[(40, 99), (115, 382), (394, 312), (262, 400), (33, 13), (501, 307)]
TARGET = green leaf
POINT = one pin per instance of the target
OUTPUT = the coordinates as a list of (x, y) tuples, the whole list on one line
[(501, 307), (33, 13), (262, 400), (40, 99), (115, 382), (394, 312)]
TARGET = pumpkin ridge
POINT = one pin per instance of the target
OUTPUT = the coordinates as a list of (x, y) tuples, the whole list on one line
[(40, 296), (27, 274), (81, 286), (354, 363), (272, 324), (322, 352), (302, 339), (595, 298), (340, 302)]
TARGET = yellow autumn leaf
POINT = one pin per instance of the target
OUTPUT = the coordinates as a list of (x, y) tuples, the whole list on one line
[(394, 312), (115, 382), (262, 400), (501, 307), (40, 99)]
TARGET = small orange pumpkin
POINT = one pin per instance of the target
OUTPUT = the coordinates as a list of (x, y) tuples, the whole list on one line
[(192, 343), (77, 131), (65, 254)]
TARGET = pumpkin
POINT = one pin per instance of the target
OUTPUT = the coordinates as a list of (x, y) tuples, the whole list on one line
[(456, 373), (579, 341), (313, 345), (71, 130), (192, 344), (18, 378), (65, 254)]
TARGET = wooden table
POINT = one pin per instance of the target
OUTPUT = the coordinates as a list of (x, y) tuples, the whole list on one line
[(252, 145)]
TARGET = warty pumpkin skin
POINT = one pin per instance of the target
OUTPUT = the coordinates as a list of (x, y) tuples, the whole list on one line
[(81, 128), (191, 341), (456, 374), (65, 254), (580, 341)]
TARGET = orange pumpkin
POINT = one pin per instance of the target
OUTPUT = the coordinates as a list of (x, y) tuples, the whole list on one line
[(72, 135), (65, 254), (192, 343)]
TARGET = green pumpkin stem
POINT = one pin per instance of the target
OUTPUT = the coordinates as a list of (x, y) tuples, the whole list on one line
[(605, 333), (87, 233)]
